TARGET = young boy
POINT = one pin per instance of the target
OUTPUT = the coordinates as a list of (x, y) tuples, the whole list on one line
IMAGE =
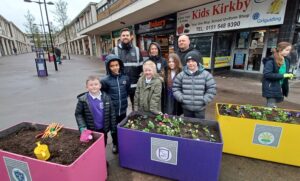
[(194, 87), (117, 85), (94, 110)]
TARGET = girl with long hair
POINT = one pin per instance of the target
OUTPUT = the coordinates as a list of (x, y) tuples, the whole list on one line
[(171, 106), (276, 74)]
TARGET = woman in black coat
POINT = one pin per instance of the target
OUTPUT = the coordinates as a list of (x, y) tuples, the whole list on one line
[(275, 83)]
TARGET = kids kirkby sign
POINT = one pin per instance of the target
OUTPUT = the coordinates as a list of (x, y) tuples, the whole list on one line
[(230, 14)]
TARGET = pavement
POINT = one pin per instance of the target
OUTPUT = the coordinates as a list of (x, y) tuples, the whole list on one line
[(26, 97)]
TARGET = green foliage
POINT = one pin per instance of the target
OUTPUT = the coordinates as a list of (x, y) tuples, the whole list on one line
[(259, 113), (163, 124)]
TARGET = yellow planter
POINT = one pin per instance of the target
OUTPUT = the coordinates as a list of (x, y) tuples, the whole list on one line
[(266, 140)]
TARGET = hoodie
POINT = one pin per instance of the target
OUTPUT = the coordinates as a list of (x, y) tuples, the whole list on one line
[(117, 86), (160, 62)]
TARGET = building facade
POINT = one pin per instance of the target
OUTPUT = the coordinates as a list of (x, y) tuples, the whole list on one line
[(12, 37), (231, 34)]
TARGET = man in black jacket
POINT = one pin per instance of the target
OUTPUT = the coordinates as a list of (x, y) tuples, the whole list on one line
[(184, 48), (132, 59)]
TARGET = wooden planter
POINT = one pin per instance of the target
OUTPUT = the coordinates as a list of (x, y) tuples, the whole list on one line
[(169, 156), (245, 137), (91, 165)]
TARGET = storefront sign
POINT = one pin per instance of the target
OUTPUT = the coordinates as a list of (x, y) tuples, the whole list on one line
[(231, 14), (164, 23), (219, 62)]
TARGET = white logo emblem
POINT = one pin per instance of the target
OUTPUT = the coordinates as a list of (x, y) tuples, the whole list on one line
[(18, 175), (163, 154)]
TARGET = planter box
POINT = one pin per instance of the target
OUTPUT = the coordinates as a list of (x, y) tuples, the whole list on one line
[(245, 137), (91, 165), (169, 156)]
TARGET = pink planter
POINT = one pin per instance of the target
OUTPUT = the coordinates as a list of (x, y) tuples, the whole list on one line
[(91, 165)]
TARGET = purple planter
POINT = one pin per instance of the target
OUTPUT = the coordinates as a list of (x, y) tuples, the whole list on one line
[(168, 156)]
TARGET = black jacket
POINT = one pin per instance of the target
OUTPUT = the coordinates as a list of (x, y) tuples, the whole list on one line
[(158, 59), (57, 52), (84, 116), (117, 86), (182, 55), (271, 87), (133, 61)]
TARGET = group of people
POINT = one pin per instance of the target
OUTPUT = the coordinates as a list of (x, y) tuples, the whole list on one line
[(179, 85)]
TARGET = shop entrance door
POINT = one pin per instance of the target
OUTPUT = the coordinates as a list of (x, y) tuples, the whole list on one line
[(256, 50)]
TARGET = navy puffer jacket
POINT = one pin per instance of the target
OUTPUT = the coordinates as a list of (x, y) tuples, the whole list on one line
[(117, 86), (271, 87)]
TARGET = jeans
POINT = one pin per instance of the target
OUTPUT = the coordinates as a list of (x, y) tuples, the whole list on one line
[(194, 114), (271, 102)]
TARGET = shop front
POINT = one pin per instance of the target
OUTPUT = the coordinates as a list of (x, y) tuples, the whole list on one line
[(161, 30), (251, 46), (237, 34), (105, 45)]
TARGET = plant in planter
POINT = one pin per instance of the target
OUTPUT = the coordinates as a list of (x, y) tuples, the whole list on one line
[(69, 159), (180, 148), (260, 113), (260, 132), (172, 126)]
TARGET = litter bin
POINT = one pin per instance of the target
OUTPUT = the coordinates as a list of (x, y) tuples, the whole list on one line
[(41, 67)]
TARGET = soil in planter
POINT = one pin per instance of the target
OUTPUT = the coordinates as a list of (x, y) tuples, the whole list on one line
[(64, 148), (174, 126), (260, 113)]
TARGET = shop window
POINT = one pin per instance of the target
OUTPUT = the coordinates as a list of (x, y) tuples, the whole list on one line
[(239, 59), (224, 41), (242, 39), (256, 50), (272, 41), (203, 44), (105, 44)]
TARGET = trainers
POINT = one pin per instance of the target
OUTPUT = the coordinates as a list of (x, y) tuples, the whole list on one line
[(115, 149)]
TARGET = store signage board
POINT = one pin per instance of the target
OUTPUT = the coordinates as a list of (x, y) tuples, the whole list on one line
[(229, 15), (164, 23)]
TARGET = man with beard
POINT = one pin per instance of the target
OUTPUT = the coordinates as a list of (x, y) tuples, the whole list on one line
[(132, 59), (184, 48)]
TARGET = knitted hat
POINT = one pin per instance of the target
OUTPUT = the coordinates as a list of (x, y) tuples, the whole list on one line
[(193, 55)]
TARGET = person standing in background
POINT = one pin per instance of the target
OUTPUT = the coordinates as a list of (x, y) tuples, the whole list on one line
[(184, 48)]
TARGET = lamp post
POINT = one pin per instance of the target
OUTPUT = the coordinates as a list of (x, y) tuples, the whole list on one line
[(50, 3), (42, 25)]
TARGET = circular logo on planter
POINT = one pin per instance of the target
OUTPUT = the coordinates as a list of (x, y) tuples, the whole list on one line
[(163, 154), (266, 138), (18, 175)]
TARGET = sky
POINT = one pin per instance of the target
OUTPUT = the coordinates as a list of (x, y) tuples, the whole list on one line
[(15, 10)]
